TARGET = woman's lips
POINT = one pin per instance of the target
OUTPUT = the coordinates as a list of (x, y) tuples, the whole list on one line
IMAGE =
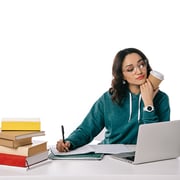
[(140, 77)]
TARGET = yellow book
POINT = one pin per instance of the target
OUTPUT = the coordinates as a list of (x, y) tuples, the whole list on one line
[(31, 124)]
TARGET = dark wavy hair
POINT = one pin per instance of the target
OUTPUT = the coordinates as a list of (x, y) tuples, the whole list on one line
[(119, 89)]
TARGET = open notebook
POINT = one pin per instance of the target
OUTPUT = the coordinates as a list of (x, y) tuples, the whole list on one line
[(89, 152)]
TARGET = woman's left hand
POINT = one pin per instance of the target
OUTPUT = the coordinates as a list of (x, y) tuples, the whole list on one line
[(148, 93)]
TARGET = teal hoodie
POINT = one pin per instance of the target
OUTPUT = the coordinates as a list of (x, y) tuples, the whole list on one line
[(121, 122)]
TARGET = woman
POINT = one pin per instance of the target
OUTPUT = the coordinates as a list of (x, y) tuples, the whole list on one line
[(130, 101)]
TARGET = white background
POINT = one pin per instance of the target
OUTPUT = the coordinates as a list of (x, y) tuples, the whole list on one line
[(56, 56)]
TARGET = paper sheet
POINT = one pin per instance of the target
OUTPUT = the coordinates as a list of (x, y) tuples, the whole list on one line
[(100, 148)]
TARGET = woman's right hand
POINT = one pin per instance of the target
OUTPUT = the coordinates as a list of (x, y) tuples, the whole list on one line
[(63, 146)]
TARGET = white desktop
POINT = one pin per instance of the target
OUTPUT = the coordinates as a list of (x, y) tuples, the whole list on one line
[(107, 168)]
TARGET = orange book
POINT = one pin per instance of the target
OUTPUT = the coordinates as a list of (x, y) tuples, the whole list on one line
[(27, 150), (15, 143), (15, 135)]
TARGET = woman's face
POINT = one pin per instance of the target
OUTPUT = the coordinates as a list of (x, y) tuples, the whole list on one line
[(134, 69)]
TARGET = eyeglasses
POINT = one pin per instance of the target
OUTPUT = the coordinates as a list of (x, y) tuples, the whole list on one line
[(141, 65)]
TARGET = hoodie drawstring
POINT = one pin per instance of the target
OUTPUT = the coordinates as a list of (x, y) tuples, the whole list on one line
[(130, 107)]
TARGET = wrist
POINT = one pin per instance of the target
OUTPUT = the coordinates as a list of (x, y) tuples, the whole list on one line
[(148, 103)]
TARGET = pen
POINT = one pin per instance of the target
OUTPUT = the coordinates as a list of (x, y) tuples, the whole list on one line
[(62, 130)]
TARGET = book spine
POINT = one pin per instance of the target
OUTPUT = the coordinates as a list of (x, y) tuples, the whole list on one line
[(22, 142), (37, 149), (21, 125), (12, 160)]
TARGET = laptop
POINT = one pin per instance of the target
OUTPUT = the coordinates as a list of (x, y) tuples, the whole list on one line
[(155, 142)]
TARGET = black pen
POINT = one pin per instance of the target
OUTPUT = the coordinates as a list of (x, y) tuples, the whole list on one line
[(62, 130)]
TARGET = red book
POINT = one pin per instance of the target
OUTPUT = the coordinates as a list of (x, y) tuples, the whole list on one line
[(22, 161), (12, 160)]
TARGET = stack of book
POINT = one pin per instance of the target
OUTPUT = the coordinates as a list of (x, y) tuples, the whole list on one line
[(17, 146)]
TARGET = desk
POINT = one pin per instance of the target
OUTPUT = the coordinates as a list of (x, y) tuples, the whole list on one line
[(106, 169)]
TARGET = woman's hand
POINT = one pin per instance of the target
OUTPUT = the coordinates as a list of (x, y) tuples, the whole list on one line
[(148, 93), (63, 146)]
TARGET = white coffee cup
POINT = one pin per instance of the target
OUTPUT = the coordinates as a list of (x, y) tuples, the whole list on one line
[(155, 78)]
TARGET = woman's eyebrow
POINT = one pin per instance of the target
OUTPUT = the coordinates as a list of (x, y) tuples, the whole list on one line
[(133, 64)]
